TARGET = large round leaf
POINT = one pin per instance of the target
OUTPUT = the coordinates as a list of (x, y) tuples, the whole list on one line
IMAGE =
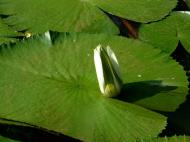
[(165, 34), (148, 78), (80, 15), (59, 15), (56, 88)]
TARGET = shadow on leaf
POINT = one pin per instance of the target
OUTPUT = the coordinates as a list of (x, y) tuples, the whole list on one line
[(132, 92)]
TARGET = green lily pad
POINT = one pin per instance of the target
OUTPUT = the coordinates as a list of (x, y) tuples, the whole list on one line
[(56, 88), (147, 75), (188, 3), (165, 34), (169, 139), (61, 15), (7, 34), (76, 16), (4, 139), (5, 30), (136, 10)]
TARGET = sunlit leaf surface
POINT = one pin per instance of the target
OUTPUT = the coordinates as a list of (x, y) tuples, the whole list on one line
[(56, 88), (80, 15), (165, 34)]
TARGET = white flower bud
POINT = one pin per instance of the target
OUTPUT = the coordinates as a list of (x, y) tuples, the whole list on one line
[(107, 70)]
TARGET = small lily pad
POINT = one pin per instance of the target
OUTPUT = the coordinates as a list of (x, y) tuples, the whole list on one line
[(166, 34)]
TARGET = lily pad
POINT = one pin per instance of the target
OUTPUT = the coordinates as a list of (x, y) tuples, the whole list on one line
[(61, 15), (170, 139), (4, 139), (147, 75), (56, 88), (136, 10), (77, 16), (165, 34), (7, 34), (175, 139)]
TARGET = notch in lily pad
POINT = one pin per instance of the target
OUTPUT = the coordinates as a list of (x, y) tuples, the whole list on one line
[(107, 71)]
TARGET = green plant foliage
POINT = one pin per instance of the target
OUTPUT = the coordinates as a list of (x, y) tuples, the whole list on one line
[(5, 30), (137, 10), (77, 16), (56, 88), (188, 3), (148, 78), (4, 139), (165, 34), (7, 34), (60, 15), (169, 139), (49, 82)]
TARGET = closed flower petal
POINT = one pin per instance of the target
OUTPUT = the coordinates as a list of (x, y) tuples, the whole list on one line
[(107, 70)]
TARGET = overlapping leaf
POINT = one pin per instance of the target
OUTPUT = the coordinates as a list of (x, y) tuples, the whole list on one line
[(4, 139), (136, 10), (80, 15), (165, 34), (7, 34), (60, 15)]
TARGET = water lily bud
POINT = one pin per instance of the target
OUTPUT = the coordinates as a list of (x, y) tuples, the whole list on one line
[(107, 70)]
